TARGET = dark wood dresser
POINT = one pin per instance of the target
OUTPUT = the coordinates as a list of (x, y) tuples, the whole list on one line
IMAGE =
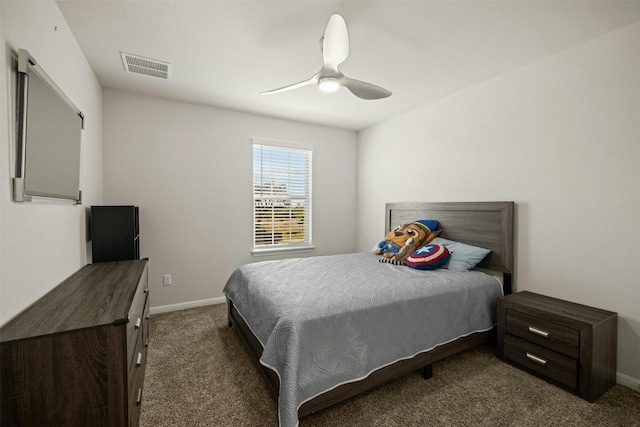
[(76, 357), (571, 345)]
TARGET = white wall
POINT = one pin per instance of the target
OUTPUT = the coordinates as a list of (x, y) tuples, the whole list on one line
[(560, 137), (44, 243), (189, 168)]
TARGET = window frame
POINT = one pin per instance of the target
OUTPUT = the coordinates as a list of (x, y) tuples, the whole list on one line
[(275, 248)]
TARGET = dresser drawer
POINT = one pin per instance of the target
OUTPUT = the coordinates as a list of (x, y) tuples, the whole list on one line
[(135, 391), (136, 363), (542, 360), (547, 334), (136, 315), (145, 323), (136, 382)]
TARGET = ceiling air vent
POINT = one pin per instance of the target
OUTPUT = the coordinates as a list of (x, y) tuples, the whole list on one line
[(146, 66)]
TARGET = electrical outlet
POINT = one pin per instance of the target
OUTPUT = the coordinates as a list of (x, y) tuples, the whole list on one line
[(166, 279)]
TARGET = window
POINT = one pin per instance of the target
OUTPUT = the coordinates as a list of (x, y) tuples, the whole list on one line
[(281, 196)]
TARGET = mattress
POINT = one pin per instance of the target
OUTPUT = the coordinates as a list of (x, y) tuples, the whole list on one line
[(330, 320)]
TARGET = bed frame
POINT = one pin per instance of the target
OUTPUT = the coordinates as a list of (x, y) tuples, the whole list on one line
[(484, 224)]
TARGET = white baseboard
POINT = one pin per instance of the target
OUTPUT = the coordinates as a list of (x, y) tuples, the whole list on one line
[(185, 305), (627, 381)]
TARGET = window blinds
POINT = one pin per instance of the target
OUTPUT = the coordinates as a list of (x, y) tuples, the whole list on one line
[(281, 196)]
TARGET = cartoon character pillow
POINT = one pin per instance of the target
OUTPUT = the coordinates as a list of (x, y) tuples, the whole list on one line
[(403, 240)]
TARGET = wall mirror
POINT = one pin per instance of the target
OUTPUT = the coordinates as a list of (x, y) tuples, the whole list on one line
[(48, 137)]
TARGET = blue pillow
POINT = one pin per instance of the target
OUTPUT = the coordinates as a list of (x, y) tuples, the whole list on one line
[(429, 257), (463, 257)]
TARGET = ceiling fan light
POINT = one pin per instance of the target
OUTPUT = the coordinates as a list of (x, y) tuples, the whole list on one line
[(328, 84)]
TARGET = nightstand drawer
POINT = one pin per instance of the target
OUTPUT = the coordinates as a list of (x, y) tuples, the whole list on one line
[(556, 337), (542, 360)]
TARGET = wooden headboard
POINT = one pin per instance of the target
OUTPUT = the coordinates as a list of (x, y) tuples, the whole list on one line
[(485, 224)]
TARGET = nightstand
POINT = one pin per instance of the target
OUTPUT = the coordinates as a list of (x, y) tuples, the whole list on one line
[(568, 344)]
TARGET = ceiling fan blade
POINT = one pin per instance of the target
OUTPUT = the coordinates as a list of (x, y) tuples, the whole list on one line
[(335, 44), (312, 80), (365, 90), (335, 49)]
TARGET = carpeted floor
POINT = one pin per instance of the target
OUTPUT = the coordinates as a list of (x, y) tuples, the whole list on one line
[(200, 374)]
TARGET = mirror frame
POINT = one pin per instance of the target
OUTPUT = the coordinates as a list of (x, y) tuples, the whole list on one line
[(27, 65)]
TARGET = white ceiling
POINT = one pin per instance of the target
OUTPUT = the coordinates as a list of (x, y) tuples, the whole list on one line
[(224, 53)]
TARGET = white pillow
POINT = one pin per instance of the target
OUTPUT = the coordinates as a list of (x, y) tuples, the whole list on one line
[(463, 257)]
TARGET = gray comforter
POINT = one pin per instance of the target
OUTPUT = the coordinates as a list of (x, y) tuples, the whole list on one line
[(329, 320)]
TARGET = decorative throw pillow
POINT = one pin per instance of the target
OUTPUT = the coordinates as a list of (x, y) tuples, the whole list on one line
[(429, 257), (463, 257)]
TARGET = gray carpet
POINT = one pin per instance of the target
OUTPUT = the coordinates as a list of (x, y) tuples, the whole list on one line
[(200, 374)]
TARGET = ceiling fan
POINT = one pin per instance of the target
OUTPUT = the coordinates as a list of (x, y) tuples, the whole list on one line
[(335, 49)]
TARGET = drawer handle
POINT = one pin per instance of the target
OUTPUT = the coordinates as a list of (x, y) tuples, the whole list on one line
[(139, 398), (139, 360), (138, 323), (146, 342), (540, 332), (536, 359)]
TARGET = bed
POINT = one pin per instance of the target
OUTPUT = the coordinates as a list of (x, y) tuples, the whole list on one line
[(324, 329)]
